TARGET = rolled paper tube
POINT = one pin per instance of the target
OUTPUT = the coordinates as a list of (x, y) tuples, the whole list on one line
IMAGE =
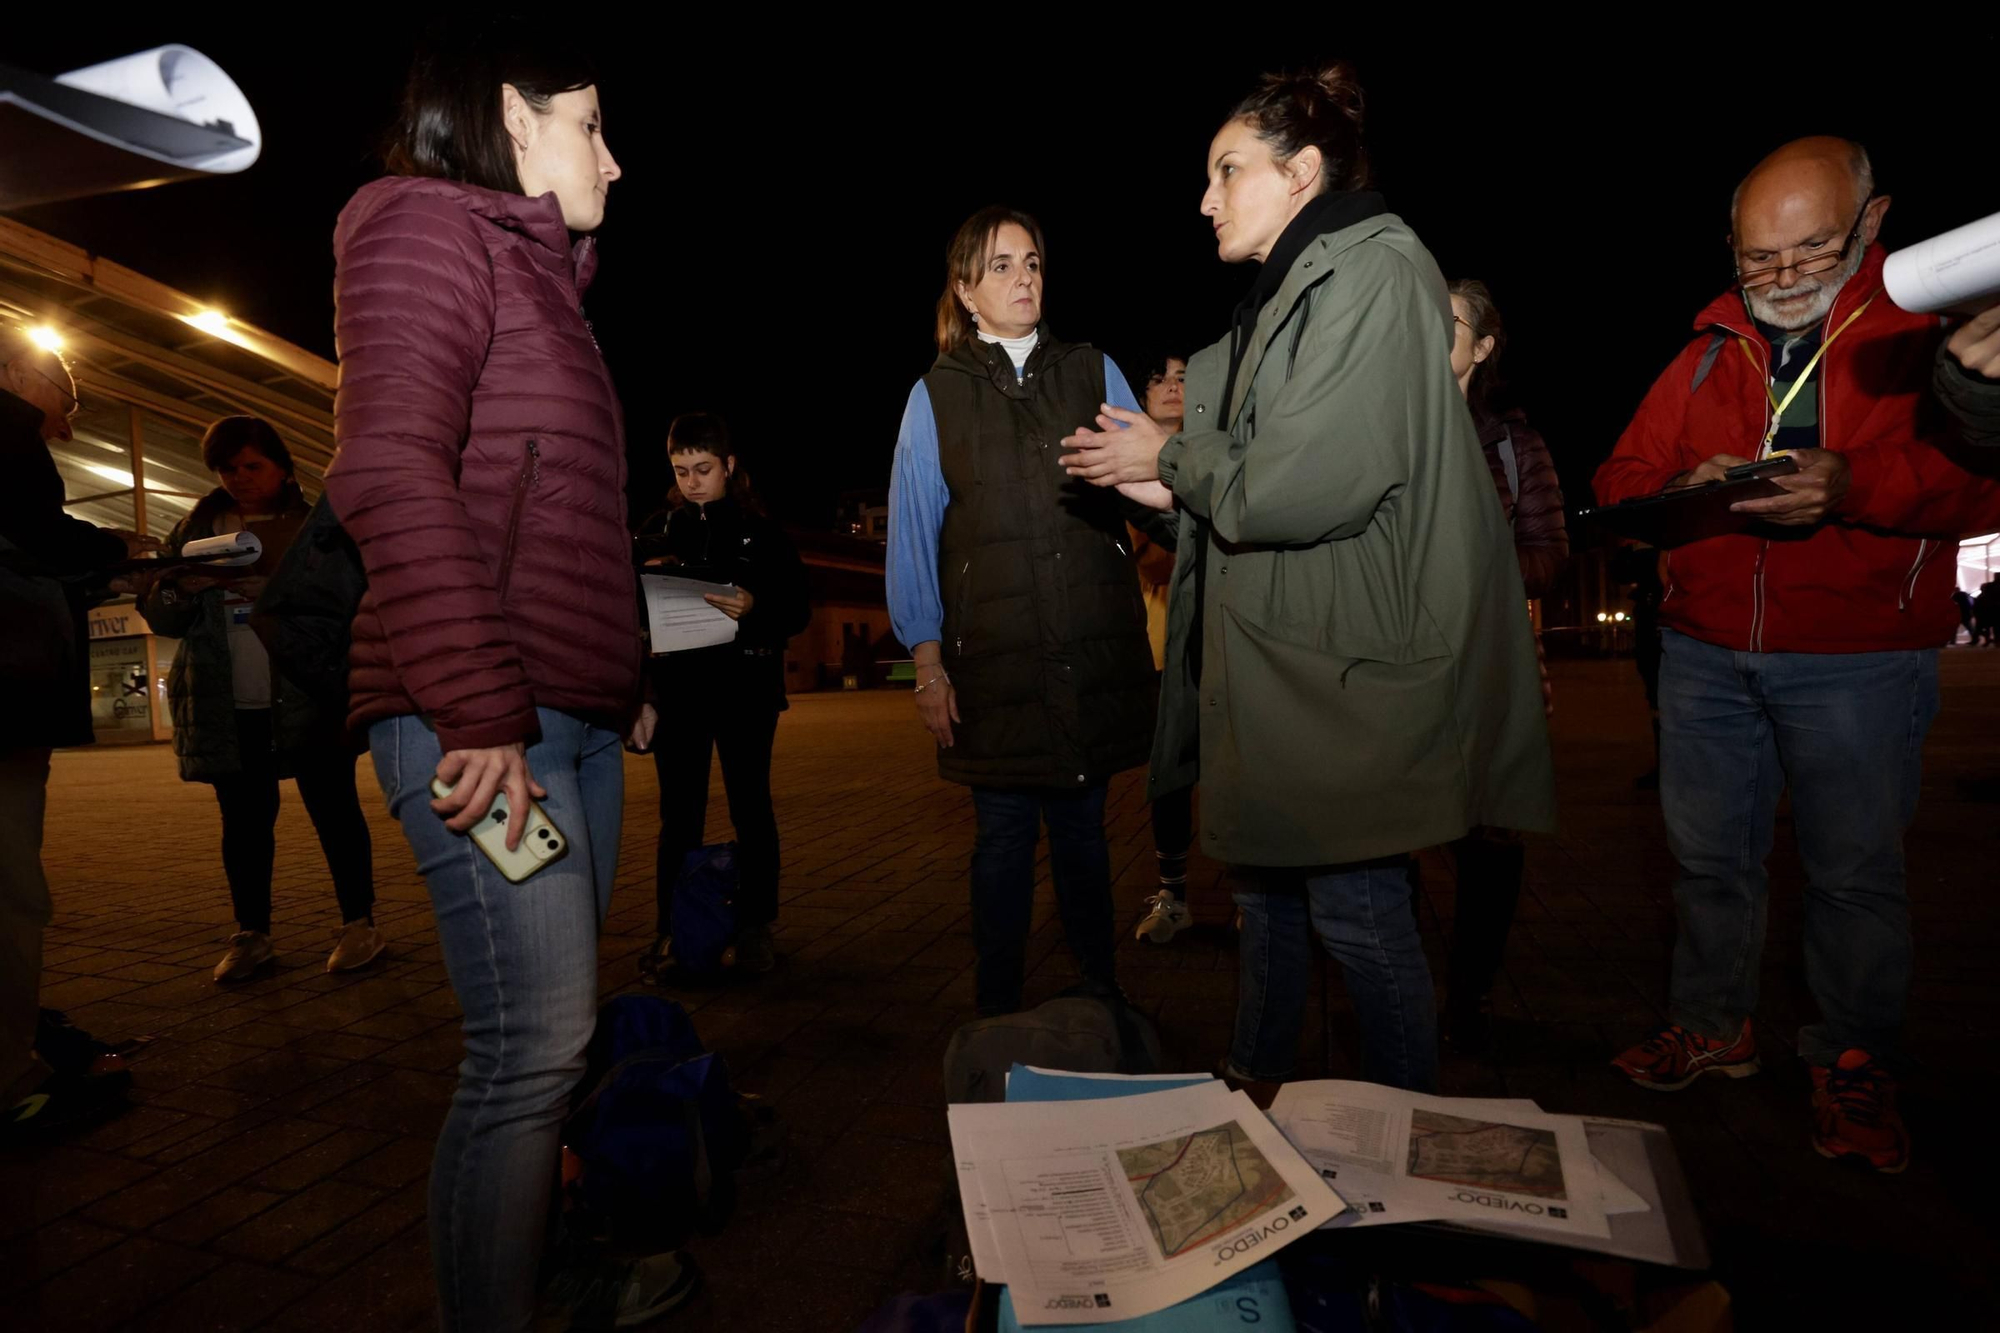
[(230, 549)]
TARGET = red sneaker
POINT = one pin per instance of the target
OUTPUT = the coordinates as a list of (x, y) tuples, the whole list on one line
[(1673, 1057), (1854, 1113)]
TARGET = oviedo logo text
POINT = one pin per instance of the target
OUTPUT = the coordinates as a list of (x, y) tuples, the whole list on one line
[(1241, 1245), (1099, 1301), (1509, 1205)]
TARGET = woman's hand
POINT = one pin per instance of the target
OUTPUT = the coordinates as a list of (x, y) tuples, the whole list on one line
[(1111, 456), (1152, 494), (475, 776), (937, 702), (735, 605), (641, 739)]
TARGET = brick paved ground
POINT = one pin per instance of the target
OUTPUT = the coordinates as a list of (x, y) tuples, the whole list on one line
[(272, 1175)]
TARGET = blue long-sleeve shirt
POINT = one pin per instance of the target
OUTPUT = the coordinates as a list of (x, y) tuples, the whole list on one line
[(917, 499)]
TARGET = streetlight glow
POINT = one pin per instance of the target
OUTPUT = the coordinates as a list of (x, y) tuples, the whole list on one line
[(1601, 617), (45, 338), (212, 322)]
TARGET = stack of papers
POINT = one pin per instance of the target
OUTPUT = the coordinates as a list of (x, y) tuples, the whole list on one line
[(1102, 1210), (678, 616), (1097, 1198)]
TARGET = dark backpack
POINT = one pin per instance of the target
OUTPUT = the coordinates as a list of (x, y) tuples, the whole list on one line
[(705, 922), (658, 1134), (1083, 1031), (305, 615)]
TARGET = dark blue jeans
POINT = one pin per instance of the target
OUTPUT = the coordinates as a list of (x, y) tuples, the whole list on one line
[(1362, 916), (1846, 732), (523, 963), (1003, 885)]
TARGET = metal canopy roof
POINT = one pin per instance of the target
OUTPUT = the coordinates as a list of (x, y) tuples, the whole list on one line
[(131, 338)]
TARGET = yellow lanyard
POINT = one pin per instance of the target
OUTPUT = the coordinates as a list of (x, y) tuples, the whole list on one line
[(1778, 407)]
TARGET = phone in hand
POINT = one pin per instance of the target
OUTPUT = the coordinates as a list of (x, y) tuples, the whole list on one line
[(541, 841)]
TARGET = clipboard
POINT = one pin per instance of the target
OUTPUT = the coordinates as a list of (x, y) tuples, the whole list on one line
[(1684, 514)]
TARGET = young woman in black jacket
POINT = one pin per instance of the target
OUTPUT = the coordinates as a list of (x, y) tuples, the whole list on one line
[(723, 699)]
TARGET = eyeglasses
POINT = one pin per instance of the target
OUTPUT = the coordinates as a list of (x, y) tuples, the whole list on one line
[(74, 402), (1811, 264)]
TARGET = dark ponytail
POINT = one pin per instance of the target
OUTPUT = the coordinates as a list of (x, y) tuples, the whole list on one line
[(1323, 110)]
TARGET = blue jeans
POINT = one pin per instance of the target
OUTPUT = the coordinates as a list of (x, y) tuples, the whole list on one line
[(1846, 732), (1362, 914), (1003, 885), (523, 962)]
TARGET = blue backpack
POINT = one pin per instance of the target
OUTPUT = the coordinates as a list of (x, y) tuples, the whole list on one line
[(658, 1134), (705, 923)]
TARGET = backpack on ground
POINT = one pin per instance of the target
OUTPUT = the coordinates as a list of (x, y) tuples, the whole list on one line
[(1085, 1030), (305, 615), (657, 1133), (705, 920)]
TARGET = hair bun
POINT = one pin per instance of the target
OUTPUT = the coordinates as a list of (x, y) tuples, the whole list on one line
[(1340, 84)]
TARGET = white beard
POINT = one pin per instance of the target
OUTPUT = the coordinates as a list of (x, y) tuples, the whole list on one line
[(1820, 291)]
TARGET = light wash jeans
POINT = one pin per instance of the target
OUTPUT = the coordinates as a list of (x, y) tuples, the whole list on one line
[(1845, 731), (523, 963)]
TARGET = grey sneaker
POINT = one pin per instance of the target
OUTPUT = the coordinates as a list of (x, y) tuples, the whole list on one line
[(248, 951), (360, 943), (753, 950), (1169, 916), (610, 1293)]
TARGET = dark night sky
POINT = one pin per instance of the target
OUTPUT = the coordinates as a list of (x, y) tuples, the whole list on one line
[(776, 246)]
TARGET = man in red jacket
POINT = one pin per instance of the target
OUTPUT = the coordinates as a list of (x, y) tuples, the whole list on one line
[(1804, 649)]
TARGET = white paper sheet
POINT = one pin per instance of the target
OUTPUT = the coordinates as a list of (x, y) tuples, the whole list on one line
[(1403, 1157), (1098, 1211), (1959, 270), (678, 619), (181, 82)]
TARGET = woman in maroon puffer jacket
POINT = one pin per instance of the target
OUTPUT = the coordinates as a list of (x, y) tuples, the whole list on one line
[(481, 473), (1491, 861)]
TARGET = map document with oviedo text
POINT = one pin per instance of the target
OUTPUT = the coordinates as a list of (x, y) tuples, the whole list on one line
[(1098, 1211), (1403, 1157)]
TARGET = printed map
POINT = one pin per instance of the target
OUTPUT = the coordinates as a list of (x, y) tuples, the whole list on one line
[(1486, 1154), (1200, 1185)]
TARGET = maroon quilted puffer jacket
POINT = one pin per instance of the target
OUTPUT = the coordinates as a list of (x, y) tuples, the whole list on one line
[(480, 468)]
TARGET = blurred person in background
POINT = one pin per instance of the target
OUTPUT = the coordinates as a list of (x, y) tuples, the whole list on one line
[(721, 702), (52, 566), (239, 724), (1153, 544), (1491, 861)]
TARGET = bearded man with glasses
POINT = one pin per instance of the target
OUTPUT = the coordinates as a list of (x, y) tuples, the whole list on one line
[(1802, 650)]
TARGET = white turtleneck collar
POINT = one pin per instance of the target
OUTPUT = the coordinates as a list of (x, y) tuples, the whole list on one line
[(1017, 348)]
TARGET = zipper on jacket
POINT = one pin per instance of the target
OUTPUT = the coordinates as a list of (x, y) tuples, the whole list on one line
[(964, 586), (1909, 590), (531, 475)]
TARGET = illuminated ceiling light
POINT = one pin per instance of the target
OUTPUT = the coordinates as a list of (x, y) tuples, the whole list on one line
[(45, 338), (212, 322)]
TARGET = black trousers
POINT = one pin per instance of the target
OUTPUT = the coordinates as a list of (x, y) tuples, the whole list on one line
[(739, 722), (249, 801), (1491, 863)]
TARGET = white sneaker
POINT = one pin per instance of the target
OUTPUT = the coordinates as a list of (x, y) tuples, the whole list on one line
[(248, 951), (1168, 917)]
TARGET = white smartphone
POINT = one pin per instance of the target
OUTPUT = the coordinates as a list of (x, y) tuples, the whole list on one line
[(541, 842)]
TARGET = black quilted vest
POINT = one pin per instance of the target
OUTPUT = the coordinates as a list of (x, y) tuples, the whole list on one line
[(1044, 629)]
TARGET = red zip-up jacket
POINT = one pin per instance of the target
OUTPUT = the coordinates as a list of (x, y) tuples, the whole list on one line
[(1876, 576)]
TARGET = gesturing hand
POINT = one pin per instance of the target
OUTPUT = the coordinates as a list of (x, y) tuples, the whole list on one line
[(1125, 448)]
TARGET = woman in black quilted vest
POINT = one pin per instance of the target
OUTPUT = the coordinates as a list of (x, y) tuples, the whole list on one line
[(1013, 589)]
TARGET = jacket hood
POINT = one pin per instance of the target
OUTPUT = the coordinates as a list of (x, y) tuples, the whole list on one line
[(539, 220)]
